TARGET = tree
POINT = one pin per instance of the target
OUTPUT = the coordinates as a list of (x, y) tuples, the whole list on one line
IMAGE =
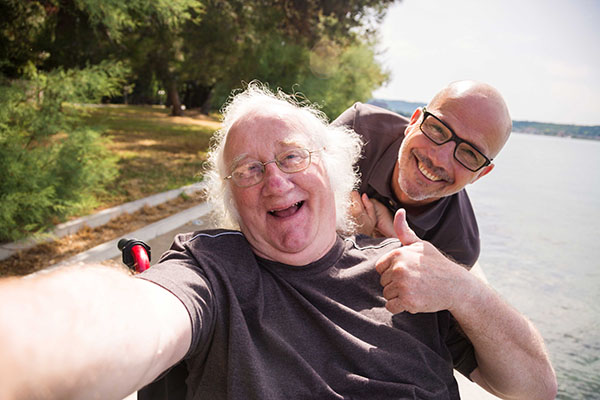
[(188, 46), (52, 166), (348, 76), (238, 41), (331, 75), (21, 24), (77, 33)]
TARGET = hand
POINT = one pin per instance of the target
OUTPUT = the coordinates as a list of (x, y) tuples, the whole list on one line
[(385, 220), (372, 218), (417, 277), (363, 214)]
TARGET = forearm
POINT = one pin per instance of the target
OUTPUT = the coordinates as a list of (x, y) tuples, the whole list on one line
[(510, 352), (83, 332)]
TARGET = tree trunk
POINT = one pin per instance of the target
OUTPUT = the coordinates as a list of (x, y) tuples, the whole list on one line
[(173, 98)]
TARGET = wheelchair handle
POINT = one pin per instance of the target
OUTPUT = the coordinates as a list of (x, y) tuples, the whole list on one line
[(136, 254)]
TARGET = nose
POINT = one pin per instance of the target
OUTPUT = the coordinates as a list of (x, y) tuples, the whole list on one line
[(443, 155), (276, 181)]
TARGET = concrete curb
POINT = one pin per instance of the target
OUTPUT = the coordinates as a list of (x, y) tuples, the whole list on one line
[(109, 249), (100, 218)]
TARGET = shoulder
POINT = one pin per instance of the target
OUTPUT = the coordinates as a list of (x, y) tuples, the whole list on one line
[(211, 239), (367, 246), (458, 232), (361, 113), (208, 248), (459, 211)]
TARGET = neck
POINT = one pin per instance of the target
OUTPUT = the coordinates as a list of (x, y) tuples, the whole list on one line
[(296, 258)]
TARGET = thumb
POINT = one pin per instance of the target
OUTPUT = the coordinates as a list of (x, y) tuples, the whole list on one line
[(403, 232)]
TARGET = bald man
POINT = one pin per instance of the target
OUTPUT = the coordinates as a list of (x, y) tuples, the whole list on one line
[(423, 164)]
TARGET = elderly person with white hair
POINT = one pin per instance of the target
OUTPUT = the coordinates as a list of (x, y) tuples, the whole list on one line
[(282, 303)]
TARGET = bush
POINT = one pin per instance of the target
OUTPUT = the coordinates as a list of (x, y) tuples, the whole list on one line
[(52, 166)]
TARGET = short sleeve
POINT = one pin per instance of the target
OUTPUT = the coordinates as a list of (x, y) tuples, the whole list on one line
[(179, 273), (461, 349)]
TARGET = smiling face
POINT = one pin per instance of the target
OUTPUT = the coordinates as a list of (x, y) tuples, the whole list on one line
[(425, 171), (288, 218)]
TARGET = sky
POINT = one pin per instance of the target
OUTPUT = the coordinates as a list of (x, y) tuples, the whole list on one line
[(542, 55)]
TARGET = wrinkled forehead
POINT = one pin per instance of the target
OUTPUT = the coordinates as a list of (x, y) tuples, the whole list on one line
[(264, 134)]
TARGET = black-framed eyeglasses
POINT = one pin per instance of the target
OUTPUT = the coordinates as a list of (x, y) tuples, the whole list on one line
[(252, 172), (464, 152)]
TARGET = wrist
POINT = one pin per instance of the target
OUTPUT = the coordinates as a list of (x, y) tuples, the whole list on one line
[(470, 293)]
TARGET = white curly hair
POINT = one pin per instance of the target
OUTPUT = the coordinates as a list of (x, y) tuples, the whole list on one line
[(341, 150)]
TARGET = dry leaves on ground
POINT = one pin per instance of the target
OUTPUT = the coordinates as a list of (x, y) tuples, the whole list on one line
[(46, 254)]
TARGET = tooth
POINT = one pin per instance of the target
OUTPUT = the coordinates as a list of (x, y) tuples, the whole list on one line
[(428, 174)]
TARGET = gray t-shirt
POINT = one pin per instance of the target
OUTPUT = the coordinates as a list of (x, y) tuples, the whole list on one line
[(266, 330)]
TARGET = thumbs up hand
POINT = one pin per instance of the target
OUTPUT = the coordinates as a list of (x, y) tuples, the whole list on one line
[(417, 277)]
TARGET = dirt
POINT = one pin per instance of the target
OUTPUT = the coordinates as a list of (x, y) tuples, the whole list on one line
[(46, 254)]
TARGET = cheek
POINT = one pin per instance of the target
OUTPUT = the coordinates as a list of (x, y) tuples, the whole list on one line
[(404, 156), (245, 200)]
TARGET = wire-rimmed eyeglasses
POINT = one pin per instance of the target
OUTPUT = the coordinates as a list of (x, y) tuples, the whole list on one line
[(252, 172)]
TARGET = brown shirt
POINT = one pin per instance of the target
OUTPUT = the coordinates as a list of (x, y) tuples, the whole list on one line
[(449, 223)]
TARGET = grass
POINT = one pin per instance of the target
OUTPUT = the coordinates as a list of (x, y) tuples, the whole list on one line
[(155, 152)]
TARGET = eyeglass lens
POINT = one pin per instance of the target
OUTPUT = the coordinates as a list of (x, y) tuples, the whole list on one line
[(464, 152), (252, 172)]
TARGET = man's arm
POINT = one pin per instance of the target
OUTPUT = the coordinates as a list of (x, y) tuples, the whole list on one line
[(86, 332), (512, 360)]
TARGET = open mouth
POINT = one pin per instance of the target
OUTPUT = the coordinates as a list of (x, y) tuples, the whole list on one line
[(286, 212), (429, 171), (428, 174)]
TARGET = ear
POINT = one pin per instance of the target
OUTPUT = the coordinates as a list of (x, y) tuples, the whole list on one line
[(415, 116), (483, 172), (413, 120)]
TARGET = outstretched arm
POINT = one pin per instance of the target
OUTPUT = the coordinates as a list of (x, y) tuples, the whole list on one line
[(512, 360), (86, 332)]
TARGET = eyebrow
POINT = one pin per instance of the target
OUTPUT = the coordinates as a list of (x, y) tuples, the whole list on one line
[(282, 143), (238, 159), (447, 125)]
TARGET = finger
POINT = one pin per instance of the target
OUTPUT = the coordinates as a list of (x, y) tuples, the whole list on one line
[(385, 262), (369, 207), (406, 235), (391, 291), (386, 277), (394, 306), (379, 207), (385, 220), (356, 205)]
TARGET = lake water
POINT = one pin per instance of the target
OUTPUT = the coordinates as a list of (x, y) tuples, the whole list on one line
[(539, 221)]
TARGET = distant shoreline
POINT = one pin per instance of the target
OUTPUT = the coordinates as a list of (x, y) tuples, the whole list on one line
[(547, 129), (564, 136), (591, 132)]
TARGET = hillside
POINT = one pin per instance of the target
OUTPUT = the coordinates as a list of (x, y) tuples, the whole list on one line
[(406, 108)]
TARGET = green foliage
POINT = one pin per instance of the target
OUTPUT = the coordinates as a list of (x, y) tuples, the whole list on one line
[(348, 76), (330, 75), (20, 26), (117, 16), (51, 167)]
